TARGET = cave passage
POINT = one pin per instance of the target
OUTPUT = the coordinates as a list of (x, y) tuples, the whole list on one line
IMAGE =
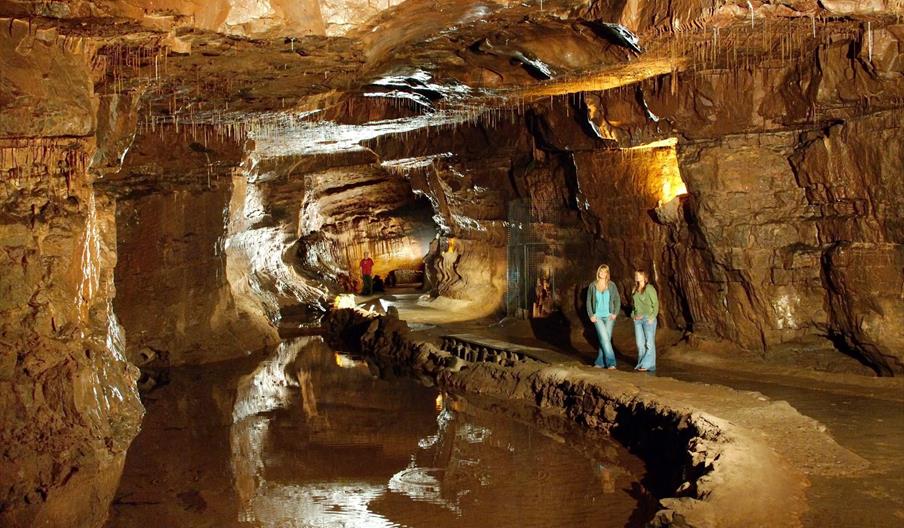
[(196, 199), (398, 253)]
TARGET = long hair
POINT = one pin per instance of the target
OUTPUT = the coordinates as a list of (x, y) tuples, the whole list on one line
[(603, 267), (646, 280)]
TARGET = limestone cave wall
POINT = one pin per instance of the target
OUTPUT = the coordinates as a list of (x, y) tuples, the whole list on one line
[(69, 407), (237, 17), (787, 170), (174, 296)]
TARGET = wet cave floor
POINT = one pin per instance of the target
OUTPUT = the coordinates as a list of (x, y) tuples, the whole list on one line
[(304, 436)]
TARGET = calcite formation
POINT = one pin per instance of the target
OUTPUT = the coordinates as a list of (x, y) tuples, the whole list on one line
[(191, 172), (172, 199)]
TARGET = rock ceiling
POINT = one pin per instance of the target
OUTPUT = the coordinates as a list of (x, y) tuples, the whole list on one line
[(266, 65)]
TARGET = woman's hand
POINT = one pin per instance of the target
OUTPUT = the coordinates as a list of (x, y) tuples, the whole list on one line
[(592, 318), (638, 318), (651, 320), (612, 316)]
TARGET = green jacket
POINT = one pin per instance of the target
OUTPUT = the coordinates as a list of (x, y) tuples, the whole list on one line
[(646, 304), (614, 299)]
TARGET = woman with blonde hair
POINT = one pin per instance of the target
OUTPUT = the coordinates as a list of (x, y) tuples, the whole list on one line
[(646, 309), (603, 304)]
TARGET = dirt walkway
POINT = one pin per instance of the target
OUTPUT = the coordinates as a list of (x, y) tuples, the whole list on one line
[(870, 424)]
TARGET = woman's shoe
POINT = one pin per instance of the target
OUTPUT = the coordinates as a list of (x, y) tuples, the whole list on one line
[(641, 370), (610, 368)]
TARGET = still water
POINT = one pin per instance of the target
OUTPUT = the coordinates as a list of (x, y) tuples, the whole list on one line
[(307, 437)]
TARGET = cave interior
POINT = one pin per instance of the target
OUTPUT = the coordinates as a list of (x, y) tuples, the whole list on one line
[(189, 190)]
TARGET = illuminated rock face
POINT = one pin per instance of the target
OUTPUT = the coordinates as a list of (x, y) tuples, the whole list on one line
[(220, 163), (791, 203), (236, 17), (69, 402), (349, 212), (174, 288)]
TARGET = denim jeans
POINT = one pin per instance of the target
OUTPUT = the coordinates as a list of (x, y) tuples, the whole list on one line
[(606, 356), (645, 335)]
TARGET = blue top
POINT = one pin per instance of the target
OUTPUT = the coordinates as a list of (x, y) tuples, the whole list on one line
[(595, 298), (602, 303)]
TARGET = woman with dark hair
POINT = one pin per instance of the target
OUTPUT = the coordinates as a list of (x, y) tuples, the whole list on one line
[(603, 304), (646, 309)]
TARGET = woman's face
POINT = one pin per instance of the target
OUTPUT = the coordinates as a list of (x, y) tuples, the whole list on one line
[(602, 274), (640, 278)]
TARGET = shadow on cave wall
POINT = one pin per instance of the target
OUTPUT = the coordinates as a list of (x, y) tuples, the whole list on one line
[(569, 331), (555, 330)]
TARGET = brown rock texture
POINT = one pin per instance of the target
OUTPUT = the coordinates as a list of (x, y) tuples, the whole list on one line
[(718, 470), (174, 295), (749, 257), (68, 402), (237, 17), (223, 166)]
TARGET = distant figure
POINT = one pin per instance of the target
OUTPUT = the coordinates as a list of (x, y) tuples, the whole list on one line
[(378, 284), (603, 304), (646, 309), (391, 279), (367, 267)]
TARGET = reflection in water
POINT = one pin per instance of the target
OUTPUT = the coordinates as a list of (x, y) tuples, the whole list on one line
[(360, 451), (304, 438), (266, 389)]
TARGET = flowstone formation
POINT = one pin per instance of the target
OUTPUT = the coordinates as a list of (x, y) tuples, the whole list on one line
[(192, 172)]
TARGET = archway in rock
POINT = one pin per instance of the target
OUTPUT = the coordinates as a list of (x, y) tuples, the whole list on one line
[(353, 212)]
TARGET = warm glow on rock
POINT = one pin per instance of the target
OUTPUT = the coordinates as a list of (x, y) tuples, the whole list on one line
[(345, 300), (439, 402), (344, 361), (669, 173), (672, 186), (662, 143)]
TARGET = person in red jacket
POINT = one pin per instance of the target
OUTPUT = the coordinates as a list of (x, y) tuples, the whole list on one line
[(367, 268)]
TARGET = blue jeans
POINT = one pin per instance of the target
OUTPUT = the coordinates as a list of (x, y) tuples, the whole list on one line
[(606, 356), (645, 335)]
